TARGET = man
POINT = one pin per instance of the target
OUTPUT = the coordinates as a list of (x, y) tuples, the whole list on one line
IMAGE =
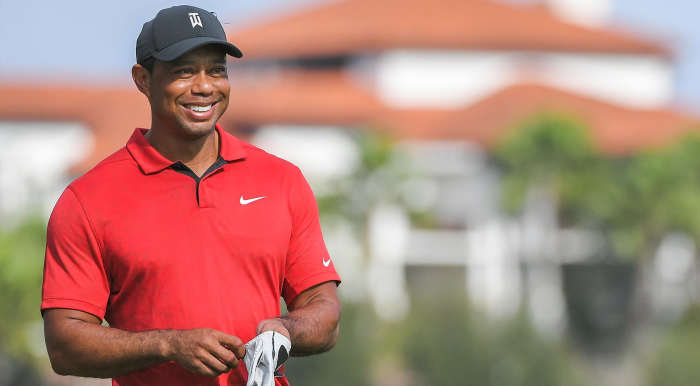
[(185, 239)]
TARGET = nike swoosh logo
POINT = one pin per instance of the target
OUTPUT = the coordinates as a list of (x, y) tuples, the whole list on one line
[(326, 263), (246, 202)]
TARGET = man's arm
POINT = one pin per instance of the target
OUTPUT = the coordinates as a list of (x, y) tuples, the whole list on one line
[(79, 345), (312, 323)]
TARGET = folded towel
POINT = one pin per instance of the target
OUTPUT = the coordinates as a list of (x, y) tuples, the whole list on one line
[(264, 355)]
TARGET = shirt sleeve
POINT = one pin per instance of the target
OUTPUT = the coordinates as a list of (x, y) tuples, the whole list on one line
[(308, 262), (74, 271)]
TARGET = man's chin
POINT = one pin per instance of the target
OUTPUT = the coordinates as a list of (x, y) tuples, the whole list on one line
[(197, 129)]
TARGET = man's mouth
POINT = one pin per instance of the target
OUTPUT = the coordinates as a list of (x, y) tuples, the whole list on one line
[(199, 108)]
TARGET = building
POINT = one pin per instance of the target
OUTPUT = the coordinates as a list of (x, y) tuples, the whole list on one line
[(449, 78)]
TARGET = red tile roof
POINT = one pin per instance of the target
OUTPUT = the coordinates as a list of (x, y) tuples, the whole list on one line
[(298, 98), (355, 26), (111, 114), (332, 98), (614, 129)]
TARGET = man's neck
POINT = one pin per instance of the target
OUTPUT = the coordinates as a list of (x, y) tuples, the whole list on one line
[(196, 153)]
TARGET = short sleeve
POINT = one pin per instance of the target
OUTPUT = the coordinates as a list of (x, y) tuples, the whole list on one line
[(74, 272), (308, 262)]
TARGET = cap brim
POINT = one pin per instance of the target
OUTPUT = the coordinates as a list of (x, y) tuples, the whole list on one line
[(180, 48)]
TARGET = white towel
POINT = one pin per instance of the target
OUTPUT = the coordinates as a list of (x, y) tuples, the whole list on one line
[(264, 355)]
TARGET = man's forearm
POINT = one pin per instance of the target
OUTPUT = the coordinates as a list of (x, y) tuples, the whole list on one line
[(91, 350), (313, 328)]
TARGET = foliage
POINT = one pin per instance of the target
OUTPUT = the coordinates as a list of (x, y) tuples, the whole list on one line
[(374, 180), (549, 151), (676, 178), (675, 363), (350, 361), (648, 195), (633, 201), (442, 342), (445, 343), (21, 259)]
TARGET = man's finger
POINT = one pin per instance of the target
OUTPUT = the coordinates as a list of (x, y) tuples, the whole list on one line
[(213, 363), (203, 369), (234, 344), (226, 356)]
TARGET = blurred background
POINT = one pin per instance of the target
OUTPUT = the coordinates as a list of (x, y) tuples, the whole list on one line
[(509, 189)]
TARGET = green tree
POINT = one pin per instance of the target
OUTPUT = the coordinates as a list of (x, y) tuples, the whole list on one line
[(21, 259), (647, 195), (676, 361), (634, 201), (553, 153), (375, 179)]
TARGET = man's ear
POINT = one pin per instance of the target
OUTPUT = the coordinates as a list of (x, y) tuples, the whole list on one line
[(142, 79)]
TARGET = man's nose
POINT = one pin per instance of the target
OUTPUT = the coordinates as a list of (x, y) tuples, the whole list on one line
[(202, 84)]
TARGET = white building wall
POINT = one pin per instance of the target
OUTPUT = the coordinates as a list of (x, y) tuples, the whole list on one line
[(451, 79), (320, 151), (440, 78), (630, 80), (33, 165)]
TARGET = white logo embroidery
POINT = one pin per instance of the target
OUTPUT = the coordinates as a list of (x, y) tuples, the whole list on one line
[(246, 202), (195, 20), (326, 263)]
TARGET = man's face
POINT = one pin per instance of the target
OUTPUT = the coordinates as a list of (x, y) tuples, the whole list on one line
[(191, 93)]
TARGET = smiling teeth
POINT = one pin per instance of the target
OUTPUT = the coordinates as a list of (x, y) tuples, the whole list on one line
[(200, 109)]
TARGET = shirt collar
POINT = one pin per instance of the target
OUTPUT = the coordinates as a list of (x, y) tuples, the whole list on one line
[(151, 161)]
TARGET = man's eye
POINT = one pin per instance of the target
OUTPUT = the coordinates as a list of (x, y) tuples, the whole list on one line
[(184, 71), (220, 70)]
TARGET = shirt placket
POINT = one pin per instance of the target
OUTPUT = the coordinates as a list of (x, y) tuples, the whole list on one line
[(207, 195), (215, 168)]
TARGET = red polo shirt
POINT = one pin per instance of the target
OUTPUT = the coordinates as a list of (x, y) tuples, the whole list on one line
[(147, 247)]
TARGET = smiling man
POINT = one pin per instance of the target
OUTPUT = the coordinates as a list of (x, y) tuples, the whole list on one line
[(185, 239)]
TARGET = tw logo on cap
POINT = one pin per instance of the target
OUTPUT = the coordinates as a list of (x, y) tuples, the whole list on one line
[(195, 20)]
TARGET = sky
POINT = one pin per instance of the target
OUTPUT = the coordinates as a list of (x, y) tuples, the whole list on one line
[(675, 22), (92, 41)]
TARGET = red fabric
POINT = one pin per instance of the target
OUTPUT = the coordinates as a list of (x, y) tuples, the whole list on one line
[(128, 242)]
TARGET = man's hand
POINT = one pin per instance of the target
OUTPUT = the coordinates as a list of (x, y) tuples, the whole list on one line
[(205, 351), (274, 324)]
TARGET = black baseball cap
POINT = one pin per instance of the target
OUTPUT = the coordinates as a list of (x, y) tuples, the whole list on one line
[(177, 30)]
